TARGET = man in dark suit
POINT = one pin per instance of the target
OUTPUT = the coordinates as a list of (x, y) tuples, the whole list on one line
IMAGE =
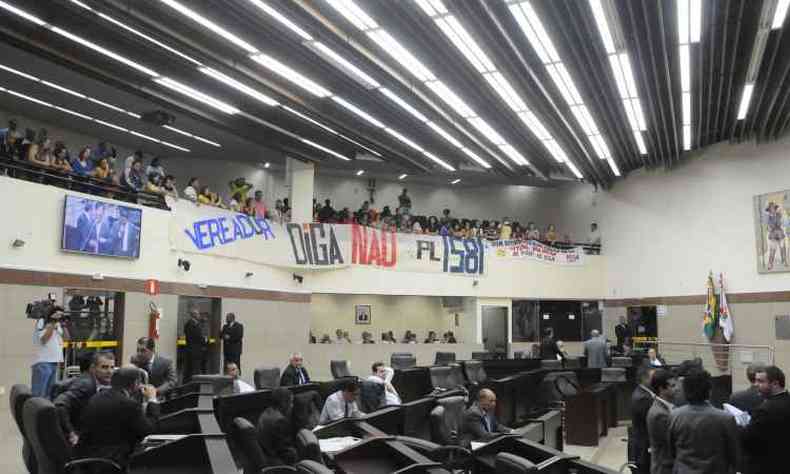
[(85, 229), (641, 401), (765, 438), (196, 345), (658, 422), (232, 334), (126, 236), (548, 346), (113, 422), (71, 402), (702, 439), (276, 434), (749, 399), (480, 423), (161, 373), (295, 373), (621, 331)]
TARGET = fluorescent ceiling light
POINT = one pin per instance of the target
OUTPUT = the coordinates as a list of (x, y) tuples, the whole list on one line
[(345, 64), (556, 152), (476, 158), (686, 100), (309, 119), (27, 97), (574, 170), (267, 164), (535, 32), (197, 95), (283, 20), (71, 112), (324, 149), (483, 127), (401, 55), (238, 86), (63, 89), (683, 21), (450, 98), (19, 73), (354, 14), (695, 20), (619, 77), (455, 181), (514, 155), (685, 68), (138, 134), (436, 128), (625, 64), (432, 7), (438, 161), (358, 111), (535, 125), (404, 139), (360, 172), (109, 106), (187, 134), (111, 125), (640, 117), (171, 145), (779, 14), (687, 137), (404, 105), (464, 43), (360, 145), (105, 51), (210, 25), (640, 143), (402, 177), (506, 91), (291, 75), (746, 98), (559, 81), (603, 26), (613, 166), (22, 13)]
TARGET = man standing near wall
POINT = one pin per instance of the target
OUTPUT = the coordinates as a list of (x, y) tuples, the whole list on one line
[(595, 349), (48, 347), (196, 345), (232, 334)]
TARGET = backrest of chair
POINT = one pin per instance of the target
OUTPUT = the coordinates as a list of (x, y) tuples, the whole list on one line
[(622, 362), (339, 369), (306, 409), (446, 420), (441, 377), (371, 396), (416, 422), (613, 374), (45, 435), (444, 358), (551, 364), (457, 378), (60, 386), (557, 385), (484, 355), (20, 393), (312, 467), (245, 436), (507, 463), (473, 369), (307, 445), (402, 361), (266, 377)]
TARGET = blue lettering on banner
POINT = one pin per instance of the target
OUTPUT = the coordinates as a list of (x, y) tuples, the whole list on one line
[(209, 233), (465, 256)]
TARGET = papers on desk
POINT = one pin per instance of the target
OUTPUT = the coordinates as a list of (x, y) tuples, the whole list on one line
[(742, 418), (477, 445), (333, 445)]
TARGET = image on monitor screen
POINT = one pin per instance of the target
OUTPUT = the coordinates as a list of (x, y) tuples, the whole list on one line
[(101, 228)]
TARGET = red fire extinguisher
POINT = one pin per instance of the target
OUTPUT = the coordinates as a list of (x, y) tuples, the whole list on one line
[(154, 315)]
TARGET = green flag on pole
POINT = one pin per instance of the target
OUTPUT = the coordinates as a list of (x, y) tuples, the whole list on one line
[(710, 319)]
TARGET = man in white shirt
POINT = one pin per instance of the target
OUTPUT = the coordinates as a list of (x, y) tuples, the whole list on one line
[(239, 385), (383, 375), (48, 339), (341, 404)]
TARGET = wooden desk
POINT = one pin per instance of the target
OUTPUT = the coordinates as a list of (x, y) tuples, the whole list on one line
[(193, 454), (587, 416)]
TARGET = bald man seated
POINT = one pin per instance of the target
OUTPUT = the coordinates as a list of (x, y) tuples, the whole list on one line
[(480, 423)]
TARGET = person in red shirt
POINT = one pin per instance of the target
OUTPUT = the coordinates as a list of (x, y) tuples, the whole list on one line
[(260, 206)]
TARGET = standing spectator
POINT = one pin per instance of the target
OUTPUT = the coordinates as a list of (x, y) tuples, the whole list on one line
[(594, 237), (169, 186), (48, 339), (241, 186), (34, 152), (506, 231), (532, 232), (232, 334), (9, 138), (236, 203), (196, 345), (551, 235), (82, 166), (326, 213), (155, 167), (702, 439), (562, 354), (191, 191), (249, 207), (28, 143), (133, 177), (596, 349), (765, 438), (404, 202), (751, 398), (653, 360), (259, 205), (622, 331), (446, 217), (658, 422), (641, 401), (344, 216), (548, 346), (127, 165)]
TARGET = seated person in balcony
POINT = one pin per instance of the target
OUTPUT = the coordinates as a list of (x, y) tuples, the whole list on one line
[(240, 186), (295, 373), (388, 338), (239, 385), (325, 339), (205, 196), (191, 191), (653, 359), (34, 153), (60, 160), (431, 338), (326, 212), (383, 375), (114, 420), (71, 403), (102, 170), (133, 177), (480, 423), (506, 232), (449, 338), (154, 184), (341, 404), (407, 337), (276, 434), (367, 338), (551, 236), (236, 202), (9, 137), (155, 167), (82, 166), (532, 232), (169, 186)]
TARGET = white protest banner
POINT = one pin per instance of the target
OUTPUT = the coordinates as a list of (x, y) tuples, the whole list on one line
[(533, 250)]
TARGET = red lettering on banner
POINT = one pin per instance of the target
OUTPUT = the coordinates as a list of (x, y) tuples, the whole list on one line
[(370, 247), (359, 245), (374, 252)]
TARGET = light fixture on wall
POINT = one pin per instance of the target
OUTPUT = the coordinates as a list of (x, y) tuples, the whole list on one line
[(475, 282), (298, 278), (248, 274), (184, 264), (18, 243), (267, 164)]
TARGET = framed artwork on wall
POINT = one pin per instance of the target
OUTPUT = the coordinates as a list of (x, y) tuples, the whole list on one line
[(362, 314), (772, 224)]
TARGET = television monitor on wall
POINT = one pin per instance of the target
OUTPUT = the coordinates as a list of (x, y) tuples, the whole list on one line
[(101, 228)]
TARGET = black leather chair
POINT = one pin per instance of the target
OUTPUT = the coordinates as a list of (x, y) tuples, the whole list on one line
[(307, 409), (557, 386), (444, 358), (60, 386), (244, 437), (441, 378), (19, 395), (402, 361), (312, 467), (551, 364), (452, 458), (506, 463), (446, 419), (416, 418), (339, 369), (307, 446), (53, 453), (371, 396), (266, 377)]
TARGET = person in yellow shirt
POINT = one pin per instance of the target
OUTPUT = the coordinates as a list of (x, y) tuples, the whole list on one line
[(102, 170), (551, 234), (506, 231)]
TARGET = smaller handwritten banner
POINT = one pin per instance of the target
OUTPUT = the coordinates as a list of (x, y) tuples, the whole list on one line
[(530, 249)]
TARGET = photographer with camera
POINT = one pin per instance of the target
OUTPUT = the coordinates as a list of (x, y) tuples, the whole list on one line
[(48, 337)]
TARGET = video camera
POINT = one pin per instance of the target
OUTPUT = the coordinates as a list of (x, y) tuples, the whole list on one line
[(44, 309)]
